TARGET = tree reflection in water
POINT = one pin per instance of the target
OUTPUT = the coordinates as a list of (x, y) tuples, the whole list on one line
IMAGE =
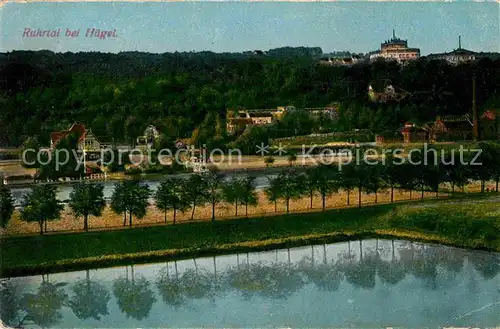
[(487, 265), (360, 274), (134, 297), (393, 271), (10, 303), (170, 286), (326, 276), (90, 299), (276, 280), (43, 307)]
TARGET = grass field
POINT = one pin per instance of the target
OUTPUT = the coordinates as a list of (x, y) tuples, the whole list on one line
[(472, 222)]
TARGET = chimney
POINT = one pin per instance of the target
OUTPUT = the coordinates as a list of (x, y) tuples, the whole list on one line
[(459, 42), (474, 110), (393, 34)]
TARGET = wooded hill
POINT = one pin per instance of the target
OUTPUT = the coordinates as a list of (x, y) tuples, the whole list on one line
[(118, 95)]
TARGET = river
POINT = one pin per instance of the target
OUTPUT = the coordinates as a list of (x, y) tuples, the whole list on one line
[(64, 190), (360, 284)]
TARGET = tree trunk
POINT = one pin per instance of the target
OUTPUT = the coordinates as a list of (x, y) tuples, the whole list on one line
[(165, 216), (287, 206), (422, 192), (452, 188), (410, 194), (124, 218), (175, 212), (41, 226), (275, 206), (348, 197), (359, 197), (246, 209), (192, 212), (496, 183), (392, 193), (86, 223), (213, 211), (376, 197), (483, 184), (46, 226), (236, 211), (130, 218), (311, 203), (324, 201)]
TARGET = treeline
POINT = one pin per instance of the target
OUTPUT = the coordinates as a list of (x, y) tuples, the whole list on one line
[(118, 95), (425, 171)]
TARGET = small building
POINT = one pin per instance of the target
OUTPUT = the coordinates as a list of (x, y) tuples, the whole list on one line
[(260, 118), (452, 128), (331, 112), (149, 136), (340, 61), (412, 133), (86, 140)]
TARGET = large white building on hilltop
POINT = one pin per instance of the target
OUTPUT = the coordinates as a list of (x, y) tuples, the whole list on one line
[(396, 49), (459, 55)]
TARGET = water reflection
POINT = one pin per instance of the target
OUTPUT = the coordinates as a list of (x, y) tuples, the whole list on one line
[(90, 299), (133, 295), (374, 282)]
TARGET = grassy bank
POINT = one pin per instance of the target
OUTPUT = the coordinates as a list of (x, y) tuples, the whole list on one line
[(469, 223)]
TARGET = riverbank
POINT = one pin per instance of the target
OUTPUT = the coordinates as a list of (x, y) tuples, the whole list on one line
[(468, 223)]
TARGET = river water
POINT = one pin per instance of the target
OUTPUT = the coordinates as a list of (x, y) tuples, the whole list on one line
[(360, 284), (64, 190)]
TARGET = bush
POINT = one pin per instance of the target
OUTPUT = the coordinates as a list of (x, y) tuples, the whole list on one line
[(133, 171)]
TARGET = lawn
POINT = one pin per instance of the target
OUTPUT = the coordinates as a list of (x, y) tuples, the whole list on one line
[(469, 222)]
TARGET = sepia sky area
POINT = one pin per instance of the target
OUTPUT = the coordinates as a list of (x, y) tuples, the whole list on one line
[(239, 26)]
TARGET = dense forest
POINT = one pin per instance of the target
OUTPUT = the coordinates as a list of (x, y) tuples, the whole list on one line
[(118, 95)]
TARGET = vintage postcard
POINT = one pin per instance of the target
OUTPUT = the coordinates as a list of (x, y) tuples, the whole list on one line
[(249, 164)]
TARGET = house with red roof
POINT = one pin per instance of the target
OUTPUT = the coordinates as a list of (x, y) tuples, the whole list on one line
[(489, 125), (86, 139)]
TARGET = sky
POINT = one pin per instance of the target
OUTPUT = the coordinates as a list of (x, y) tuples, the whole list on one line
[(240, 26)]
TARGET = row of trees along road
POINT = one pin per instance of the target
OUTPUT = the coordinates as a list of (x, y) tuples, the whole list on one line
[(132, 197)]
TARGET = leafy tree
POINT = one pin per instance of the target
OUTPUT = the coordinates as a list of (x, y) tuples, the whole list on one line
[(232, 191), (6, 204), (41, 205), (272, 192), (408, 180), (90, 299), (195, 191), (132, 198), (87, 199), (170, 196), (328, 182), (248, 195), (43, 307), (347, 181), (268, 161), (457, 174), (30, 148), (375, 181), (292, 158), (358, 176), (289, 186), (214, 185), (391, 174)]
